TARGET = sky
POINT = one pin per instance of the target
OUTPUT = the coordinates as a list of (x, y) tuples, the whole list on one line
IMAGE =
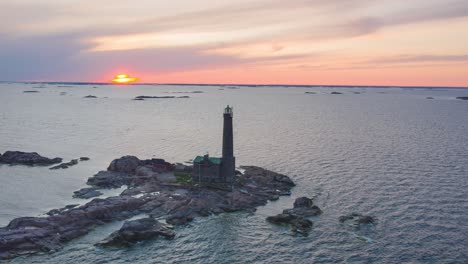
[(317, 42)]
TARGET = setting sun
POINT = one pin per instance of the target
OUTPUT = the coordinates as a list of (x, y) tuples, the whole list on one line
[(123, 78)]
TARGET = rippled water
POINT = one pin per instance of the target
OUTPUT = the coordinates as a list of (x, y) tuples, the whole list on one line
[(390, 153)]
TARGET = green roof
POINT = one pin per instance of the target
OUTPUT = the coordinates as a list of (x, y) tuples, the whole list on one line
[(213, 160)]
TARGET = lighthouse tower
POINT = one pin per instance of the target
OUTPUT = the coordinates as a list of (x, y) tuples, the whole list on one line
[(228, 164)]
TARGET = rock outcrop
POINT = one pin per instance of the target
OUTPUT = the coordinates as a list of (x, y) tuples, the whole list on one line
[(304, 207), (27, 158), (297, 216), (138, 230), (126, 164)]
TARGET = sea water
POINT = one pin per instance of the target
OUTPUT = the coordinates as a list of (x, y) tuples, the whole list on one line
[(385, 152)]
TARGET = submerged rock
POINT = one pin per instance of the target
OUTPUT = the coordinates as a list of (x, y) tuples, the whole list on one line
[(27, 158), (336, 93), (138, 230), (356, 219), (463, 97), (429, 97), (90, 96), (310, 93), (84, 158), (298, 224), (86, 193), (31, 91), (65, 165)]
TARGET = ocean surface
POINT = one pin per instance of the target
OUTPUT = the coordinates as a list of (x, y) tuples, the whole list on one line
[(385, 152)]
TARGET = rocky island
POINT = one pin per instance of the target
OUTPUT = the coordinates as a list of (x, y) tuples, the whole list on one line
[(27, 158), (154, 191)]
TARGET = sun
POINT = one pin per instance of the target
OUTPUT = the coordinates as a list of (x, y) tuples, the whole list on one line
[(123, 79)]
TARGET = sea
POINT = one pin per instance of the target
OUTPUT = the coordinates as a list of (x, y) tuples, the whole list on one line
[(390, 153)]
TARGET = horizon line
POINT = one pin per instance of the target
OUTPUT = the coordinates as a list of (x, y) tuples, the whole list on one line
[(241, 84)]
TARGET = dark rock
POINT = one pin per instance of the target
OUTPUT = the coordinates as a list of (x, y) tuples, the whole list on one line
[(356, 219), (310, 92), (429, 97), (32, 91), (110, 179), (90, 96), (303, 202), (137, 230), (304, 207), (65, 165), (336, 93), (86, 193), (27, 158), (463, 97), (280, 219), (84, 158), (126, 164), (180, 218)]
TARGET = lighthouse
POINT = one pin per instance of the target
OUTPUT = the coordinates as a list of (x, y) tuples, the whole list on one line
[(228, 163), (213, 171)]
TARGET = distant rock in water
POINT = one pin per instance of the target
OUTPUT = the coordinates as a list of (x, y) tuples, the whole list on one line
[(27, 158), (84, 158), (138, 230), (86, 193), (31, 91), (194, 92), (463, 97), (297, 216), (336, 93), (310, 92), (142, 97), (356, 219), (429, 97), (90, 96)]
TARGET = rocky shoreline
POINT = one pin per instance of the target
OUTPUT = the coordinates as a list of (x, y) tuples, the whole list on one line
[(155, 190)]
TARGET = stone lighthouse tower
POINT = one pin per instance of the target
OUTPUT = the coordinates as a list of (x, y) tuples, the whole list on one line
[(228, 164)]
